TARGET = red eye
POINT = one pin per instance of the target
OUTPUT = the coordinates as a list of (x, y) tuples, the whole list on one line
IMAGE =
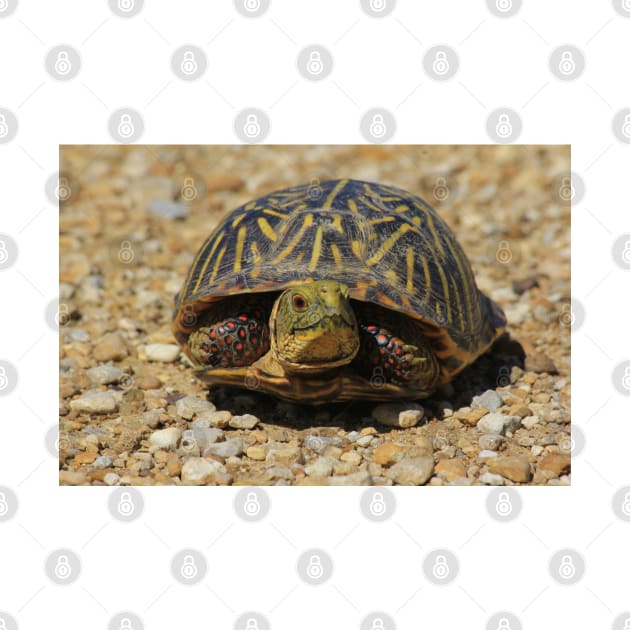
[(299, 302)]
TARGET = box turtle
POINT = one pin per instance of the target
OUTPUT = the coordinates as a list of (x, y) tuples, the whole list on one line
[(333, 291)]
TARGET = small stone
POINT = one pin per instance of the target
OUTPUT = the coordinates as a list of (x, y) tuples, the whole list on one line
[(491, 441), (229, 448), (162, 352), (190, 406), (352, 457), (152, 418), (257, 452), (246, 421), (514, 467), (489, 399), (401, 415), (199, 471), (472, 417), (85, 458), (72, 478), (364, 440), (168, 209), (174, 467), (105, 374), (490, 479), (414, 471), (487, 454), (541, 397), (147, 382), (537, 450), (525, 284), (321, 467), (540, 362), (218, 419), (361, 478), (104, 461), (388, 453), (498, 423), (450, 469), (165, 438), (111, 479), (530, 421), (284, 455), (558, 463), (520, 410), (95, 402), (319, 443), (110, 348)]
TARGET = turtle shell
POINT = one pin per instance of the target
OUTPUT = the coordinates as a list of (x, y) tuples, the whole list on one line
[(388, 246)]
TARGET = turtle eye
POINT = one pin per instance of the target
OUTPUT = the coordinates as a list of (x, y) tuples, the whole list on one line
[(299, 302)]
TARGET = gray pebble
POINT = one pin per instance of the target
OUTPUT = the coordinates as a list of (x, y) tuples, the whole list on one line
[(95, 402), (102, 462), (487, 454), (490, 441), (105, 374), (198, 471), (111, 479), (414, 471), (168, 209), (79, 335), (530, 421), (226, 449), (162, 352), (498, 423), (166, 438), (361, 478), (152, 417), (365, 440), (321, 467), (189, 406), (489, 399), (246, 421), (218, 419), (537, 450), (491, 479)]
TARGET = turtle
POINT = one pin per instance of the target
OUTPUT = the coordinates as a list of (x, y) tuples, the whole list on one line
[(333, 291)]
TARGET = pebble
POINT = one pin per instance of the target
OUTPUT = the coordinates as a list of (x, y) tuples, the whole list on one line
[(110, 348), (388, 453), (218, 419), (152, 418), (105, 374), (168, 209), (361, 478), (514, 467), (147, 382), (257, 452), (450, 469), (246, 421), (352, 457), (189, 406), (95, 402), (365, 440), (229, 448), (537, 450), (321, 467), (498, 423), (558, 463), (319, 443), (530, 421), (284, 455), (490, 479), (472, 417), (414, 471), (163, 352), (199, 471), (491, 441), (401, 415), (165, 438), (540, 362), (489, 399), (111, 479), (72, 478), (102, 462)]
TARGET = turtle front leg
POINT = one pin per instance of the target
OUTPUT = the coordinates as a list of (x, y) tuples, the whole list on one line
[(384, 357)]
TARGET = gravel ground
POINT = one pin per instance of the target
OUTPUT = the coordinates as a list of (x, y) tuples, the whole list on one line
[(131, 411)]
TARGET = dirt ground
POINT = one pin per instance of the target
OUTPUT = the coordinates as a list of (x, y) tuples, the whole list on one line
[(132, 411)]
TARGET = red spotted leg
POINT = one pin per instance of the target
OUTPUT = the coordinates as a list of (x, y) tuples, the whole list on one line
[(231, 341)]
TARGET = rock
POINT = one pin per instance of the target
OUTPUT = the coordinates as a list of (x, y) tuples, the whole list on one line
[(85, 458), (104, 461), (147, 382), (352, 457), (414, 471), (174, 466), (95, 402), (472, 417), (514, 467), (168, 209), (388, 453), (162, 352), (247, 421), (537, 450), (489, 399), (190, 406), (321, 467), (72, 478), (319, 443), (166, 438), (540, 362), (284, 455), (487, 454), (229, 448), (491, 441), (257, 452), (498, 423), (218, 419), (110, 348), (490, 479), (530, 421), (105, 374), (558, 463), (525, 284), (450, 469), (152, 418), (365, 440), (402, 415), (520, 410), (198, 471), (361, 478), (111, 479)]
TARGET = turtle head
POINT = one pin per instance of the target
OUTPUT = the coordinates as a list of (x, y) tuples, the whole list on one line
[(314, 327)]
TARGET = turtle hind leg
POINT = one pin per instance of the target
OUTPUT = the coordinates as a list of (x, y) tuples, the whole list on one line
[(384, 357)]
